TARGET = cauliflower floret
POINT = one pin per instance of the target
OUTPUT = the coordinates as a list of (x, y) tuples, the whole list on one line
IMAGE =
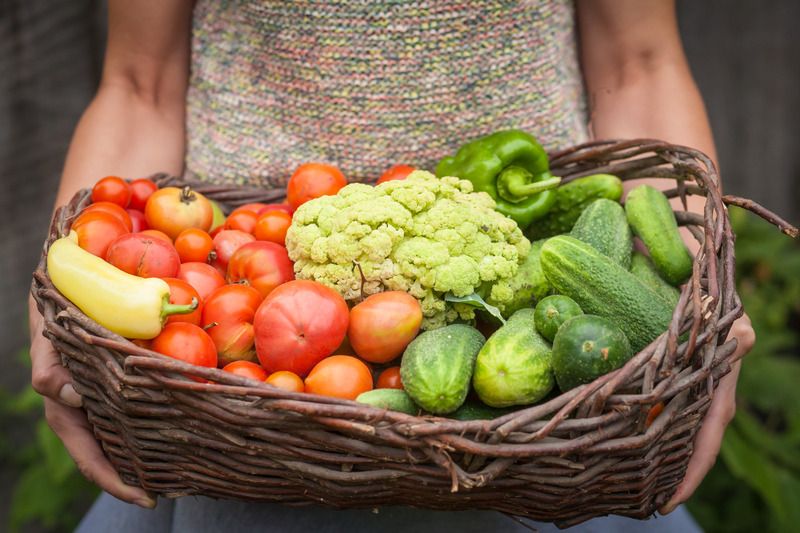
[(427, 236)]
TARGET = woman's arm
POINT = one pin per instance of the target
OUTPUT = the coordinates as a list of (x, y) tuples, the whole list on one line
[(133, 127), (639, 85)]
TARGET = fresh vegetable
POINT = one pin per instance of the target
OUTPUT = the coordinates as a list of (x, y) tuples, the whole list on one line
[(389, 379), (474, 410), (141, 190), (514, 366), (571, 199), (604, 226), (130, 306), (585, 348), (193, 245), (643, 268), (529, 284), (246, 369), (653, 221), (313, 180), (272, 226), (226, 242), (288, 381), (299, 324), (553, 311), (106, 207), (241, 220), (286, 208), (112, 189), (188, 343), (340, 376), (382, 325), (255, 208), (156, 234), (228, 317), (512, 168), (436, 368), (425, 236), (602, 287), (138, 222), (172, 210), (263, 265), (389, 399), (143, 256), (203, 277), (218, 216), (96, 231), (181, 293), (397, 172)]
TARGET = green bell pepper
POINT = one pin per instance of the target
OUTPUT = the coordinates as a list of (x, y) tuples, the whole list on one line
[(513, 168)]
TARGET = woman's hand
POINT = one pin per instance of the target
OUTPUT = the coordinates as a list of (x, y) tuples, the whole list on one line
[(723, 408), (68, 421)]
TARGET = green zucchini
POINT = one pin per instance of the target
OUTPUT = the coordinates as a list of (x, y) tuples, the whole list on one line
[(604, 226), (643, 268)]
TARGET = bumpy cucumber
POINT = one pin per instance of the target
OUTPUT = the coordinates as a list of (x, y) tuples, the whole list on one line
[(604, 226), (529, 284), (571, 200), (653, 221), (553, 311), (643, 268), (602, 287), (391, 399)]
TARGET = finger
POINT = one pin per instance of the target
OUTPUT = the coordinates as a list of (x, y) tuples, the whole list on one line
[(73, 429), (48, 377)]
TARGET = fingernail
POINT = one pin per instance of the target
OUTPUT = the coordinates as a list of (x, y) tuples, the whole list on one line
[(68, 396), (667, 508), (147, 503)]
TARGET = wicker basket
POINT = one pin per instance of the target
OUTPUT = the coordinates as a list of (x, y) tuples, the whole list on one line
[(585, 453)]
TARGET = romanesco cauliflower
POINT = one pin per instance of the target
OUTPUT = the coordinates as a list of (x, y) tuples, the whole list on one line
[(423, 235)]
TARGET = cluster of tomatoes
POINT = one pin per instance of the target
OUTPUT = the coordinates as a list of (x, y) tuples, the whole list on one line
[(252, 319)]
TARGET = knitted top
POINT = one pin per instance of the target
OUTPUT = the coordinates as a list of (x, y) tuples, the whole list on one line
[(365, 84)]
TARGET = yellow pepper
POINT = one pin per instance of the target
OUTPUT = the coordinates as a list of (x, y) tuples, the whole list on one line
[(128, 305)]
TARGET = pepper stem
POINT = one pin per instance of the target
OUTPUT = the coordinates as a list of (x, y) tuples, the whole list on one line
[(168, 309), (515, 184)]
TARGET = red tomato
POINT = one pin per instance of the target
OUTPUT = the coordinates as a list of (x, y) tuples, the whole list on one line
[(97, 231), (112, 189), (286, 208), (397, 172), (340, 376), (254, 208), (286, 380), (172, 210), (141, 190), (156, 235), (107, 207), (272, 225), (228, 316), (242, 221), (263, 265), (194, 245), (382, 325), (144, 256), (138, 221), (182, 293), (313, 180), (246, 369), (389, 379), (203, 277), (299, 324), (187, 342), (226, 242)]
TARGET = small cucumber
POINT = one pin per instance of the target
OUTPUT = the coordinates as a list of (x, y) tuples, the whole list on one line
[(436, 368), (390, 399), (643, 268), (653, 221), (553, 311), (604, 226), (571, 200), (529, 284), (585, 348), (474, 410)]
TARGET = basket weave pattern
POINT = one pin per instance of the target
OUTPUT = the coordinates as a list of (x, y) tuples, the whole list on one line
[(582, 454)]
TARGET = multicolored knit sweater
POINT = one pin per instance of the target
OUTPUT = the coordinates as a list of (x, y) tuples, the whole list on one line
[(365, 84)]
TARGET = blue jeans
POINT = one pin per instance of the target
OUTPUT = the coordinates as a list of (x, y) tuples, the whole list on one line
[(201, 515)]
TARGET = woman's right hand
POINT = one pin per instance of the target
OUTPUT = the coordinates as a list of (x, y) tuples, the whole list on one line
[(68, 421)]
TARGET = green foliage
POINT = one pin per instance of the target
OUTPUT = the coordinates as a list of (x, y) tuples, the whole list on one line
[(48, 488), (755, 486)]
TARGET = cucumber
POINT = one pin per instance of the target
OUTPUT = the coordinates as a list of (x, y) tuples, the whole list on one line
[(553, 311), (602, 287), (604, 226), (571, 200), (472, 410), (643, 268), (514, 366), (653, 221), (436, 368), (585, 348), (390, 399), (529, 284)]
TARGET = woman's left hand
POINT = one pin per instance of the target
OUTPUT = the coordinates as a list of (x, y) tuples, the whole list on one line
[(723, 408)]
